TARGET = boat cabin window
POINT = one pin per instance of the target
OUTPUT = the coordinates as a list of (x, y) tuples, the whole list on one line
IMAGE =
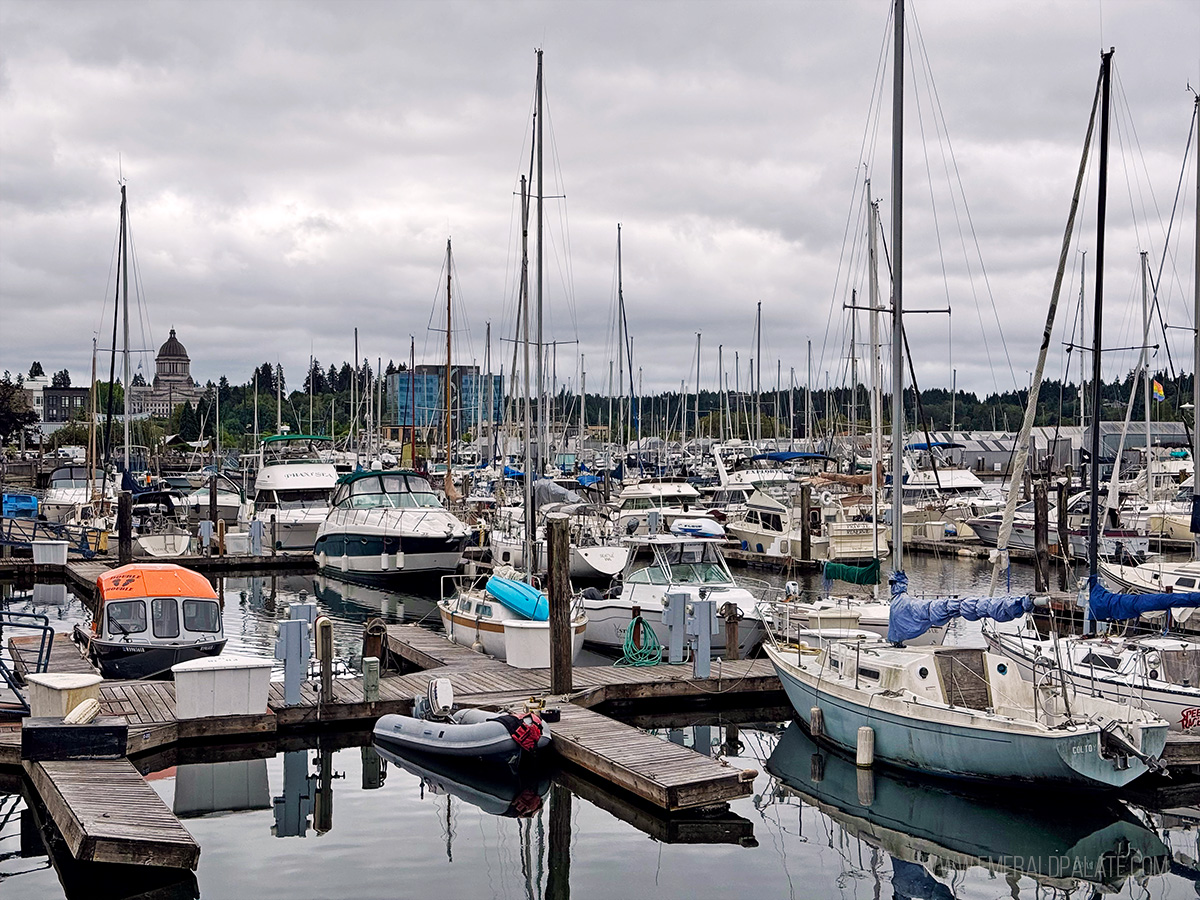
[(201, 615), (1101, 662), (698, 563), (1185, 583), (650, 575), (485, 609), (303, 498), (771, 521), (752, 517), (126, 617), (464, 605), (164, 615), (638, 503), (1181, 667)]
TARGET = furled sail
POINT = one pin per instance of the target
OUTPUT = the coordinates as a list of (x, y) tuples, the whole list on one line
[(910, 618), (1104, 605)]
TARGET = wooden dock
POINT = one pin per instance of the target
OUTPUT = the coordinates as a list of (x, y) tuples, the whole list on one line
[(65, 655), (108, 813)]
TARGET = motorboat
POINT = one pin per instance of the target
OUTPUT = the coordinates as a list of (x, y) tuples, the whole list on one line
[(595, 552), (150, 616), (686, 564), (77, 494), (670, 500), (388, 523), (505, 617), (1154, 576), (292, 490), (1119, 542), (159, 527)]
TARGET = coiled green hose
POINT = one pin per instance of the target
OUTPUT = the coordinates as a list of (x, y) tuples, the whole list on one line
[(649, 654)]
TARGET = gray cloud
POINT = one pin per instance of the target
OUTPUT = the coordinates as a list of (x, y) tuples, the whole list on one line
[(294, 171)]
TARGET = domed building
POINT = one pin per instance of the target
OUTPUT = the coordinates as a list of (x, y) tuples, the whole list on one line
[(172, 385)]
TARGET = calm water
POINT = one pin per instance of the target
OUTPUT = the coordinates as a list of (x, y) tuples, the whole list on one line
[(337, 820)]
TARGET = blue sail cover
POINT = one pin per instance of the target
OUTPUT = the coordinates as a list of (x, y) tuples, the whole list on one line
[(1103, 604), (910, 618)]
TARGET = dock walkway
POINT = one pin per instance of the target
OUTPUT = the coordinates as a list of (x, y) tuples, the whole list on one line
[(108, 813)]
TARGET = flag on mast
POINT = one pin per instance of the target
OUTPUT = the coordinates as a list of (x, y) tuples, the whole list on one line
[(1158, 392)]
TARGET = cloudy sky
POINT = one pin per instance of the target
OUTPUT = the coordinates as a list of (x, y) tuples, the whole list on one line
[(294, 171)]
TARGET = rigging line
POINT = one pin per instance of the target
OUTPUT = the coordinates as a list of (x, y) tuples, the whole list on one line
[(937, 104), (870, 129), (567, 272)]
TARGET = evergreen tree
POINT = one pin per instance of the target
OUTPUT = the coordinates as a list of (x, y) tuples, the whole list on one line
[(331, 378), (345, 376), (189, 423), (36, 370), (61, 379)]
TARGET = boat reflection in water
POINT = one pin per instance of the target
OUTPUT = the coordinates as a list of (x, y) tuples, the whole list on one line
[(490, 785), (927, 828)]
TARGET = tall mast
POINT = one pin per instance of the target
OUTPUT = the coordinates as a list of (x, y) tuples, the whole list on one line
[(876, 367), (125, 317), (620, 344), (698, 390), (527, 486), (854, 368), (449, 370), (542, 423), (897, 291), (487, 395), (412, 397), (1146, 371), (1097, 325), (279, 398), (791, 406), (1196, 348), (758, 379), (721, 392), (1082, 339)]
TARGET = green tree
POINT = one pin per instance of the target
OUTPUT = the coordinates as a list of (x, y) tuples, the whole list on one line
[(15, 411), (189, 424), (61, 379), (36, 370)]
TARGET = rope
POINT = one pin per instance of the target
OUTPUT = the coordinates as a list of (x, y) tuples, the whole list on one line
[(649, 654)]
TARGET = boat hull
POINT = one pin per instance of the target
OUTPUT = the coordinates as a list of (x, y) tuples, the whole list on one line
[(416, 554), (485, 738), (120, 659), (494, 635), (954, 750)]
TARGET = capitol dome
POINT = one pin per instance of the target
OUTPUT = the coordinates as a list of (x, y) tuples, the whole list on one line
[(172, 349)]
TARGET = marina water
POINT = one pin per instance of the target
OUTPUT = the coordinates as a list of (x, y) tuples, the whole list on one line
[(325, 816)]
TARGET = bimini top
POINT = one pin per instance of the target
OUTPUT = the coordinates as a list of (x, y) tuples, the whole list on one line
[(351, 477), (153, 580)]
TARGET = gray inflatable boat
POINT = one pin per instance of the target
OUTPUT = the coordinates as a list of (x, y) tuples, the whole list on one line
[(438, 729)]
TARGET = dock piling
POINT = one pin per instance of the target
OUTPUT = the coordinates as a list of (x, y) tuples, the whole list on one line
[(1041, 549), (805, 522), (558, 547)]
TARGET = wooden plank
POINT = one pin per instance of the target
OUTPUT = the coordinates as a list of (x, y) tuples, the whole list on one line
[(107, 812)]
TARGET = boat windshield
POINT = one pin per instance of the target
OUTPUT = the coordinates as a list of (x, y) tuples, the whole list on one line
[(698, 563), (294, 498), (400, 491), (126, 617)]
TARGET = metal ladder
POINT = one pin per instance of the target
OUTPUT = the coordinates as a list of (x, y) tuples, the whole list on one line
[(34, 622)]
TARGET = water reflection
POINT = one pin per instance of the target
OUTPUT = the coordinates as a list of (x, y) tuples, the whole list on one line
[(928, 829)]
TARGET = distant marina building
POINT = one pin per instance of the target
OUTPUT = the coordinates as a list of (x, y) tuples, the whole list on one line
[(172, 386), (420, 397)]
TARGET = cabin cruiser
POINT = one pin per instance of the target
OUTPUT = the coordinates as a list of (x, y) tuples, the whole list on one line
[(669, 499), (775, 530), (387, 523), (229, 501), (1120, 542), (681, 563), (293, 488), (505, 617), (150, 616), (74, 495)]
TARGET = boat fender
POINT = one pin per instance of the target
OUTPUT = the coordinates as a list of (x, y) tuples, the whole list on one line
[(525, 731)]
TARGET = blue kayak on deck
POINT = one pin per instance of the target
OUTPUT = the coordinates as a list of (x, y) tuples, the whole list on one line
[(520, 597)]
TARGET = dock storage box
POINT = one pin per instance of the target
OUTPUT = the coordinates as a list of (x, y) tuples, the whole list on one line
[(54, 694), (49, 553), (527, 644), (221, 686)]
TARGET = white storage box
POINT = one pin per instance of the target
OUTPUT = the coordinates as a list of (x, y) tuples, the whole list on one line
[(49, 553), (221, 686), (527, 644), (54, 694)]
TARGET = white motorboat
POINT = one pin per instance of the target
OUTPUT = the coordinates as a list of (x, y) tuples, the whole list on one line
[(293, 488), (76, 494), (683, 564), (474, 615), (671, 500), (388, 523), (595, 554)]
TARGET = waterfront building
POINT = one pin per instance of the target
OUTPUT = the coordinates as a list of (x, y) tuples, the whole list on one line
[(420, 397)]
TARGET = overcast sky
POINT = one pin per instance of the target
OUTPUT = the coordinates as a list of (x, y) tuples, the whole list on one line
[(295, 169)]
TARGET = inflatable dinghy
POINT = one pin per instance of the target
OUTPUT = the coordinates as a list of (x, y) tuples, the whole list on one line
[(521, 598), (439, 731)]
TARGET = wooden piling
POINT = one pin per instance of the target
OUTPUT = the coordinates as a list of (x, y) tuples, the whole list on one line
[(274, 535), (220, 537), (125, 527), (212, 499), (558, 548), (805, 523), (730, 611), (558, 877), (1064, 529), (374, 633), (1041, 542), (636, 618)]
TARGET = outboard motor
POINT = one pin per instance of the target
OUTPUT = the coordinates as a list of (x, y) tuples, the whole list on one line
[(791, 591), (439, 696)]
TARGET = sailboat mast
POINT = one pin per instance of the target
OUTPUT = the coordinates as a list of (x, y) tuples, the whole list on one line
[(542, 423), (698, 391), (876, 370), (449, 370), (527, 485), (1146, 371), (620, 344), (1196, 349), (758, 379), (125, 316), (1097, 325), (897, 291)]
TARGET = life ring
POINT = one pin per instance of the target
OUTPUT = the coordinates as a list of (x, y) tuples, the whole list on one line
[(826, 498)]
